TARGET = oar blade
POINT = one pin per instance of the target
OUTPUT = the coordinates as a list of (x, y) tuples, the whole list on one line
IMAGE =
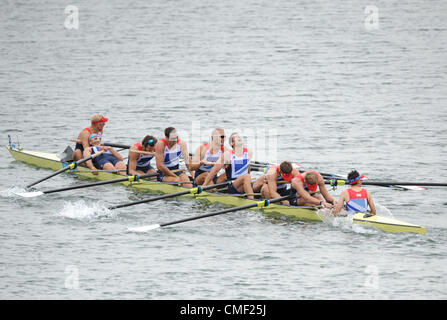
[(144, 228), (29, 194)]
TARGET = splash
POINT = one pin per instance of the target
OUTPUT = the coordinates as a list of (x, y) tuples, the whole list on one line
[(343, 221), (383, 211), (13, 192), (80, 210)]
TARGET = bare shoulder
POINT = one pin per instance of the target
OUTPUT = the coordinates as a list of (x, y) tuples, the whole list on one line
[(84, 134), (159, 147)]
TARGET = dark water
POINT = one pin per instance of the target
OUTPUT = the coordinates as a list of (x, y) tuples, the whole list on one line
[(304, 81)]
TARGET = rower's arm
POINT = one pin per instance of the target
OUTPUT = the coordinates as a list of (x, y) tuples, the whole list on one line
[(219, 165), (271, 182), (326, 195), (185, 153), (273, 186), (344, 198), (83, 136), (159, 159), (302, 193), (133, 158), (114, 152), (88, 153), (195, 162), (371, 204)]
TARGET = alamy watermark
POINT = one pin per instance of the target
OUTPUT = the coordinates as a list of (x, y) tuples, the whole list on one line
[(372, 283), (71, 17), (71, 277), (371, 21)]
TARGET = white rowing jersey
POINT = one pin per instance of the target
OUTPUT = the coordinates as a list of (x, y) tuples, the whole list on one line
[(172, 156), (144, 160), (238, 165), (210, 157), (97, 149)]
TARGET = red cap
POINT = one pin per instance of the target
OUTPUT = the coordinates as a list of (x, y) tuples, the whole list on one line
[(103, 119)]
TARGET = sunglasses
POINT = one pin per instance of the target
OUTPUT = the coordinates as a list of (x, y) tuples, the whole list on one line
[(150, 143)]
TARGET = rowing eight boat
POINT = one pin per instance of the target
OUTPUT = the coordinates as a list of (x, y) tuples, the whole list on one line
[(53, 162)]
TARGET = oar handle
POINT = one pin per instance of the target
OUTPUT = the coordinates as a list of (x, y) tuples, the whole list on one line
[(143, 152), (117, 145), (110, 144)]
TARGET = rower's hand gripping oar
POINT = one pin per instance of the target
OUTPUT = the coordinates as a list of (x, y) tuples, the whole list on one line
[(110, 144), (71, 166), (260, 204), (134, 178), (193, 191)]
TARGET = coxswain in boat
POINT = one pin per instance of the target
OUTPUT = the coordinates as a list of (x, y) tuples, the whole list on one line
[(140, 156), (98, 121), (311, 190), (357, 199), (207, 155), (237, 164), (276, 183), (167, 156), (109, 160)]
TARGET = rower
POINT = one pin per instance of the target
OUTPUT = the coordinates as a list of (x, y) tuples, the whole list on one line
[(140, 156), (356, 198), (167, 156), (306, 185), (207, 155), (274, 184), (97, 126), (237, 163), (109, 160)]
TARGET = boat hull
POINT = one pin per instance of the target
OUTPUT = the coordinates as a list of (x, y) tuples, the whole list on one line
[(52, 162)]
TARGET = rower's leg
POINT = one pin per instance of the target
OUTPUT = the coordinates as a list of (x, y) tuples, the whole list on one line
[(201, 178), (150, 171), (108, 166), (301, 201), (265, 192), (221, 178), (184, 177), (77, 155), (258, 184), (243, 185), (121, 166), (170, 179)]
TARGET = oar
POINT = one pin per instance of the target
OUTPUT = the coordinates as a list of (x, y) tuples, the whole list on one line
[(337, 182), (263, 203), (71, 166), (196, 190), (110, 144), (133, 178), (258, 165), (143, 152), (117, 145)]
